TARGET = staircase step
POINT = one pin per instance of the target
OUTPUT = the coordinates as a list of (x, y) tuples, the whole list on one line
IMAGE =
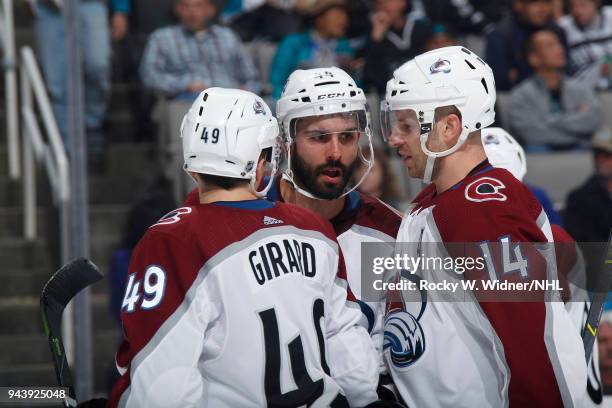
[(24, 282), (21, 315), (103, 220), (131, 159), (102, 190), (30, 282), (29, 375), (29, 349), (18, 253), (11, 191), (128, 168)]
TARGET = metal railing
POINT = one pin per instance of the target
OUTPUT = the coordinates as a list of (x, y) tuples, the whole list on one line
[(9, 64), (53, 156), (52, 153)]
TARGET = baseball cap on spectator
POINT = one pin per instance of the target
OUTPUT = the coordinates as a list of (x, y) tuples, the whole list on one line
[(603, 140), (321, 6)]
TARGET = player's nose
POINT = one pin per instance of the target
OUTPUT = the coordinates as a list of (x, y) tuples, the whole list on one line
[(334, 149), (394, 140)]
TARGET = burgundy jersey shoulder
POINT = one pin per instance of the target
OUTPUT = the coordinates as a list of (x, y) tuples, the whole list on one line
[(376, 214), (193, 198), (424, 196), (487, 206), (304, 218)]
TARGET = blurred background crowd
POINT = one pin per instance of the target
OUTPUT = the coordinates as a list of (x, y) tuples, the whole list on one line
[(148, 59)]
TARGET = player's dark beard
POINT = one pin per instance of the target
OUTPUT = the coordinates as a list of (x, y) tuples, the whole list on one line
[(307, 176)]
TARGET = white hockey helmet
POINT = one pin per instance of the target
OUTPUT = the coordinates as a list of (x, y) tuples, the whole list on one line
[(504, 151), (322, 92), (442, 77), (224, 133)]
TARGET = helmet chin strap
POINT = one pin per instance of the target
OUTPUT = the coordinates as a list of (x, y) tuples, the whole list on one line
[(275, 159), (432, 156), (429, 166)]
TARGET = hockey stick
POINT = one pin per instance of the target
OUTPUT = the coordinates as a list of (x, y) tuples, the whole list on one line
[(589, 332), (59, 290)]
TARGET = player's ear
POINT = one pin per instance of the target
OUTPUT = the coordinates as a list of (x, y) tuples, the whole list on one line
[(451, 129), (261, 170)]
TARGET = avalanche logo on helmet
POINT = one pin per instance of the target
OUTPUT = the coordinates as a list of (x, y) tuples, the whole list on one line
[(491, 139), (404, 336), (441, 65), (258, 108)]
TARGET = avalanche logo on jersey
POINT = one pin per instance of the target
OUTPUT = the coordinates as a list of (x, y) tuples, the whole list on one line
[(404, 336), (173, 216), (485, 189)]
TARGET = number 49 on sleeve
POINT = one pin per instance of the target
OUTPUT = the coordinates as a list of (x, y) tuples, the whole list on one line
[(154, 288)]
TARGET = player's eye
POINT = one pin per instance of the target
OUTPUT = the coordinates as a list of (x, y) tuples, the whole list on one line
[(347, 137), (404, 127), (320, 137)]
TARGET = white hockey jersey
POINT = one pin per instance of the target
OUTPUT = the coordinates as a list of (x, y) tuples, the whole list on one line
[(242, 305), (473, 353), (363, 219)]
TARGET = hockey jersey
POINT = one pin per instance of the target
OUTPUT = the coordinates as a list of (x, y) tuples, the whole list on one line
[(482, 353), (363, 219), (241, 304)]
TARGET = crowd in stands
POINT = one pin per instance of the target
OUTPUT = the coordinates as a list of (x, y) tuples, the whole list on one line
[(552, 56), (553, 59)]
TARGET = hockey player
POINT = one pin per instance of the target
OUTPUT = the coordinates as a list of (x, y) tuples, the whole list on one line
[(505, 152), (471, 353), (236, 301), (324, 117)]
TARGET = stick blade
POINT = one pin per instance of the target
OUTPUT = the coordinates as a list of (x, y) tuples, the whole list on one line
[(56, 294), (69, 280)]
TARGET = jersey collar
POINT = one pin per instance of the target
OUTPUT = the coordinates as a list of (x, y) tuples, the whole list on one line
[(257, 204), (481, 168)]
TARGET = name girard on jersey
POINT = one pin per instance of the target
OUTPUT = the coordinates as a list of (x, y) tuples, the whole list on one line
[(276, 259)]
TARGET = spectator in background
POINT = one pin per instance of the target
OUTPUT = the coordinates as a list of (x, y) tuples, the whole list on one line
[(182, 60), (322, 46), (604, 340), (140, 17), (440, 36), (588, 215), (132, 21), (397, 35), (505, 48), (548, 110), (94, 37), (588, 30), (269, 20), (380, 182), (466, 16)]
